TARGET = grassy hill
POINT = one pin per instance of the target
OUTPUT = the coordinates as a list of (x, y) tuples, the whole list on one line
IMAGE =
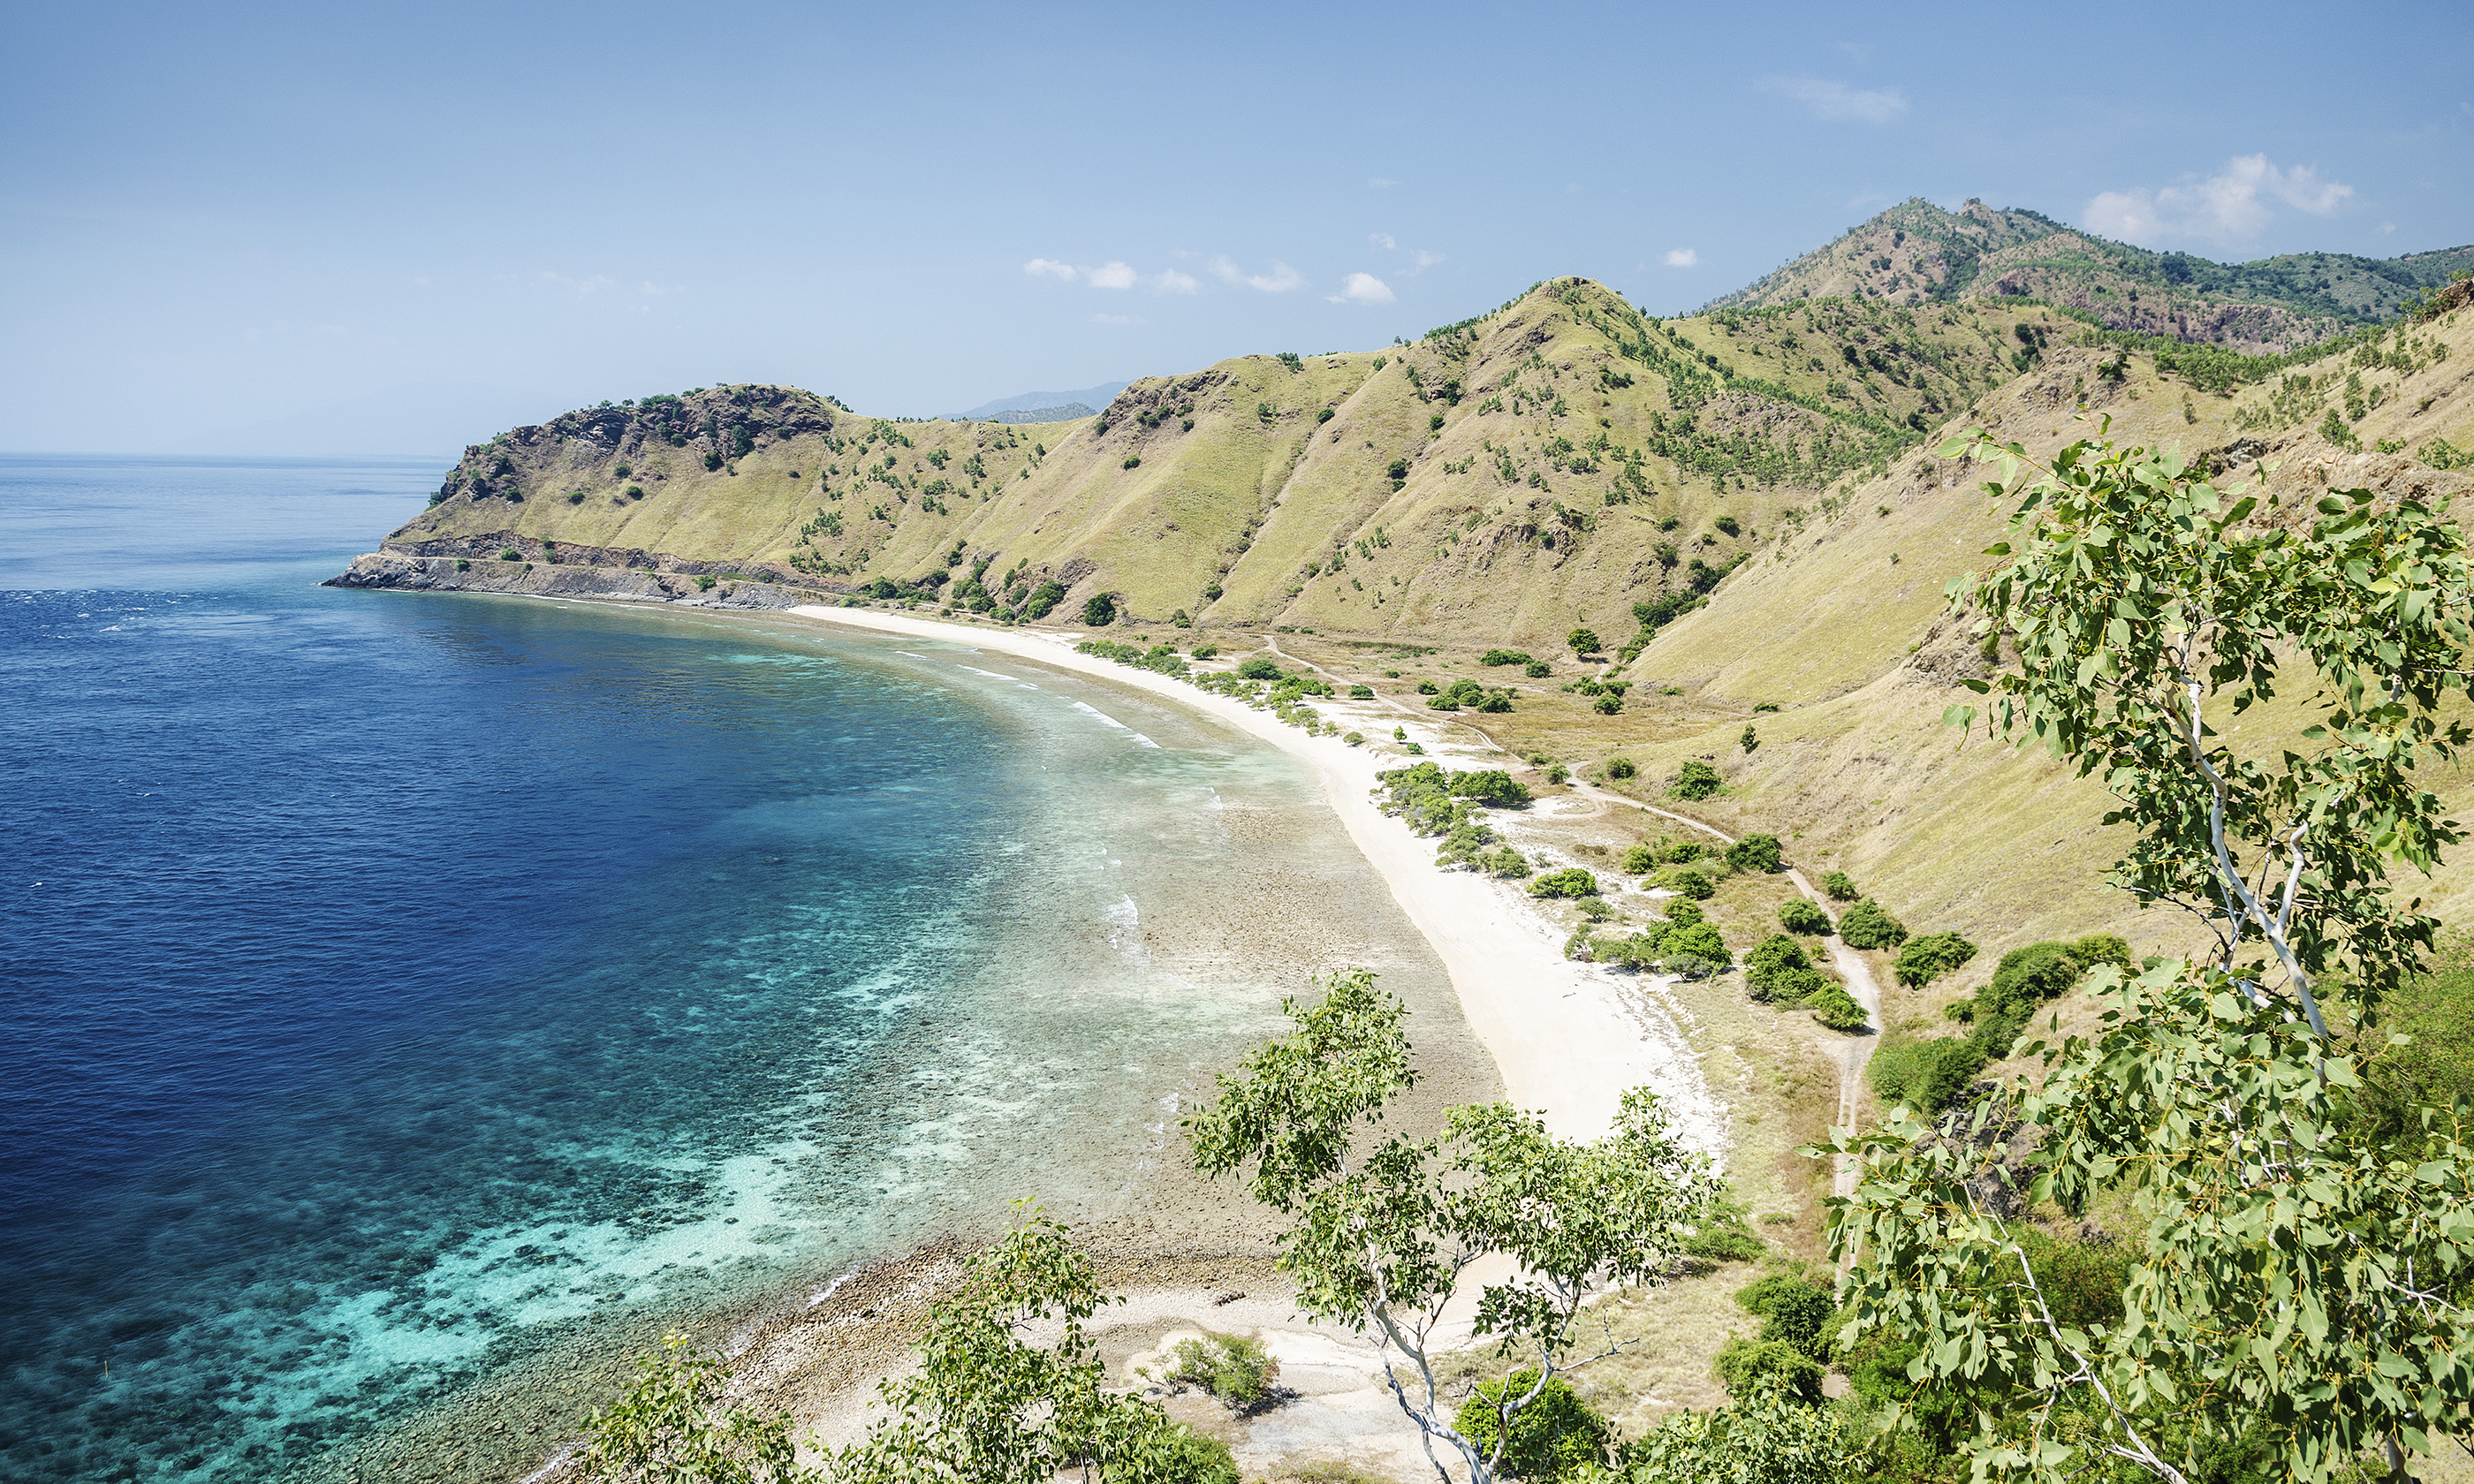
[(1548, 465), (1917, 254)]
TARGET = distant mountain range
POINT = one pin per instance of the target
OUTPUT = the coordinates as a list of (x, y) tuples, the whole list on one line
[(1917, 254), (1052, 406)]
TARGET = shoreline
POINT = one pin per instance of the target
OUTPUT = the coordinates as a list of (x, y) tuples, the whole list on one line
[(1564, 1040)]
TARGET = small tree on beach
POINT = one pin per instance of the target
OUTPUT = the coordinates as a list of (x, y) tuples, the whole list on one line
[(1383, 1227), (988, 1406)]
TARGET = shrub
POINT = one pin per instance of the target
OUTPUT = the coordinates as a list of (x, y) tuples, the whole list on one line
[(1794, 1312), (1865, 926), (1258, 667), (1583, 641), (1570, 881), (1607, 704), (712, 461), (704, 585), (1360, 692), (511, 555), (1355, 739), (1621, 767), (1324, 416), (1925, 1073), (1835, 1008), (635, 491), (1101, 611), (1503, 656), (1507, 863), (1755, 852), (1553, 1438), (1696, 779), (1775, 952), (575, 497), (1684, 881), (1206, 650), (1747, 1365), (1537, 669), (1927, 958), (1803, 917), (1494, 788), (1428, 687), (1695, 944), (1682, 912), (1639, 860), (1840, 886), (1044, 600), (1234, 1368)]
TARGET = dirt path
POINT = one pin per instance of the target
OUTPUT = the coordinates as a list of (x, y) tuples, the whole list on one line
[(1849, 1053)]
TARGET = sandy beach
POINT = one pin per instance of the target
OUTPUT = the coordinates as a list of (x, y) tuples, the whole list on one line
[(1569, 1038)]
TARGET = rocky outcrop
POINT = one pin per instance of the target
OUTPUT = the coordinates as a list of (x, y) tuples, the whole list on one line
[(567, 579)]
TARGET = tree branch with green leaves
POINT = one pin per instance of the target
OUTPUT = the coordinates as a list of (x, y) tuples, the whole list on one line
[(1384, 1227), (2293, 1291)]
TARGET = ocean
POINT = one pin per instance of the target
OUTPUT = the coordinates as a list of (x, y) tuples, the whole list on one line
[(400, 988)]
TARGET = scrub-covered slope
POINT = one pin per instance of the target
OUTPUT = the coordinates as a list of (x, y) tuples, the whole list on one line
[(1549, 465)]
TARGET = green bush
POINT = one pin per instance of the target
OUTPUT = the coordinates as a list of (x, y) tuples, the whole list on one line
[(1206, 650), (1509, 864), (704, 585), (1793, 1310), (1621, 767), (1583, 641), (1840, 886), (1835, 1008), (1258, 667), (1570, 881), (1684, 881), (1197, 1458), (1799, 916), (1744, 1365), (1555, 1436), (1927, 958), (1607, 704), (1639, 860), (1234, 1368), (1775, 952), (1503, 656), (1695, 943), (1865, 926), (1926, 1073), (1044, 600), (1537, 669), (1493, 787), (1696, 779), (1101, 611), (1755, 852), (1360, 692), (1681, 911)]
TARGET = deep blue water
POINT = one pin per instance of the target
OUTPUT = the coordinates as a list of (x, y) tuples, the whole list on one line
[(393, 982)]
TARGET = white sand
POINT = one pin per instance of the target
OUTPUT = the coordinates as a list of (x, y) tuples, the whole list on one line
[(1569, 1038)]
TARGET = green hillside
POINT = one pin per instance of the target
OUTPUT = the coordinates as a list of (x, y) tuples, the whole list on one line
[(1917, 253), (1552, 463)]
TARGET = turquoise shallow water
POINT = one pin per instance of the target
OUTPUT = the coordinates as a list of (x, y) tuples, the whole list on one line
[(405, 985)]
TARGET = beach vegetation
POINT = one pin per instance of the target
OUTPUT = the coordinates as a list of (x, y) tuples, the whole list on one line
[(1043, 600), (1840, 886), (990, 1407), (1867, 924), (1099, 609), (1493, 788), (1206, 650), (1383, 1228), (1798, 916), (1258, 667), (1570, 881), (1640, 859), (1355, 739), (1510, 865), (1696, 779), (1556, 1437), (1235, 1368), (1694, 948), (1834, 1007), (1687, 882)]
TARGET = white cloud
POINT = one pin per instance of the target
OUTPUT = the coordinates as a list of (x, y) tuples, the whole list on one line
[(1825, 99), (2224, 209), (1382, 240), (582, 288), (1279, 281), (1171, 282), (1110, 275), (1421, 261), (1380, 183), (1049, 267), (1682, 257), (1362, 289), (1114, 318)]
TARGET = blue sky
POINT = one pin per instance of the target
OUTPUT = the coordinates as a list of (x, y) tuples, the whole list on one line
[(395, 229)]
